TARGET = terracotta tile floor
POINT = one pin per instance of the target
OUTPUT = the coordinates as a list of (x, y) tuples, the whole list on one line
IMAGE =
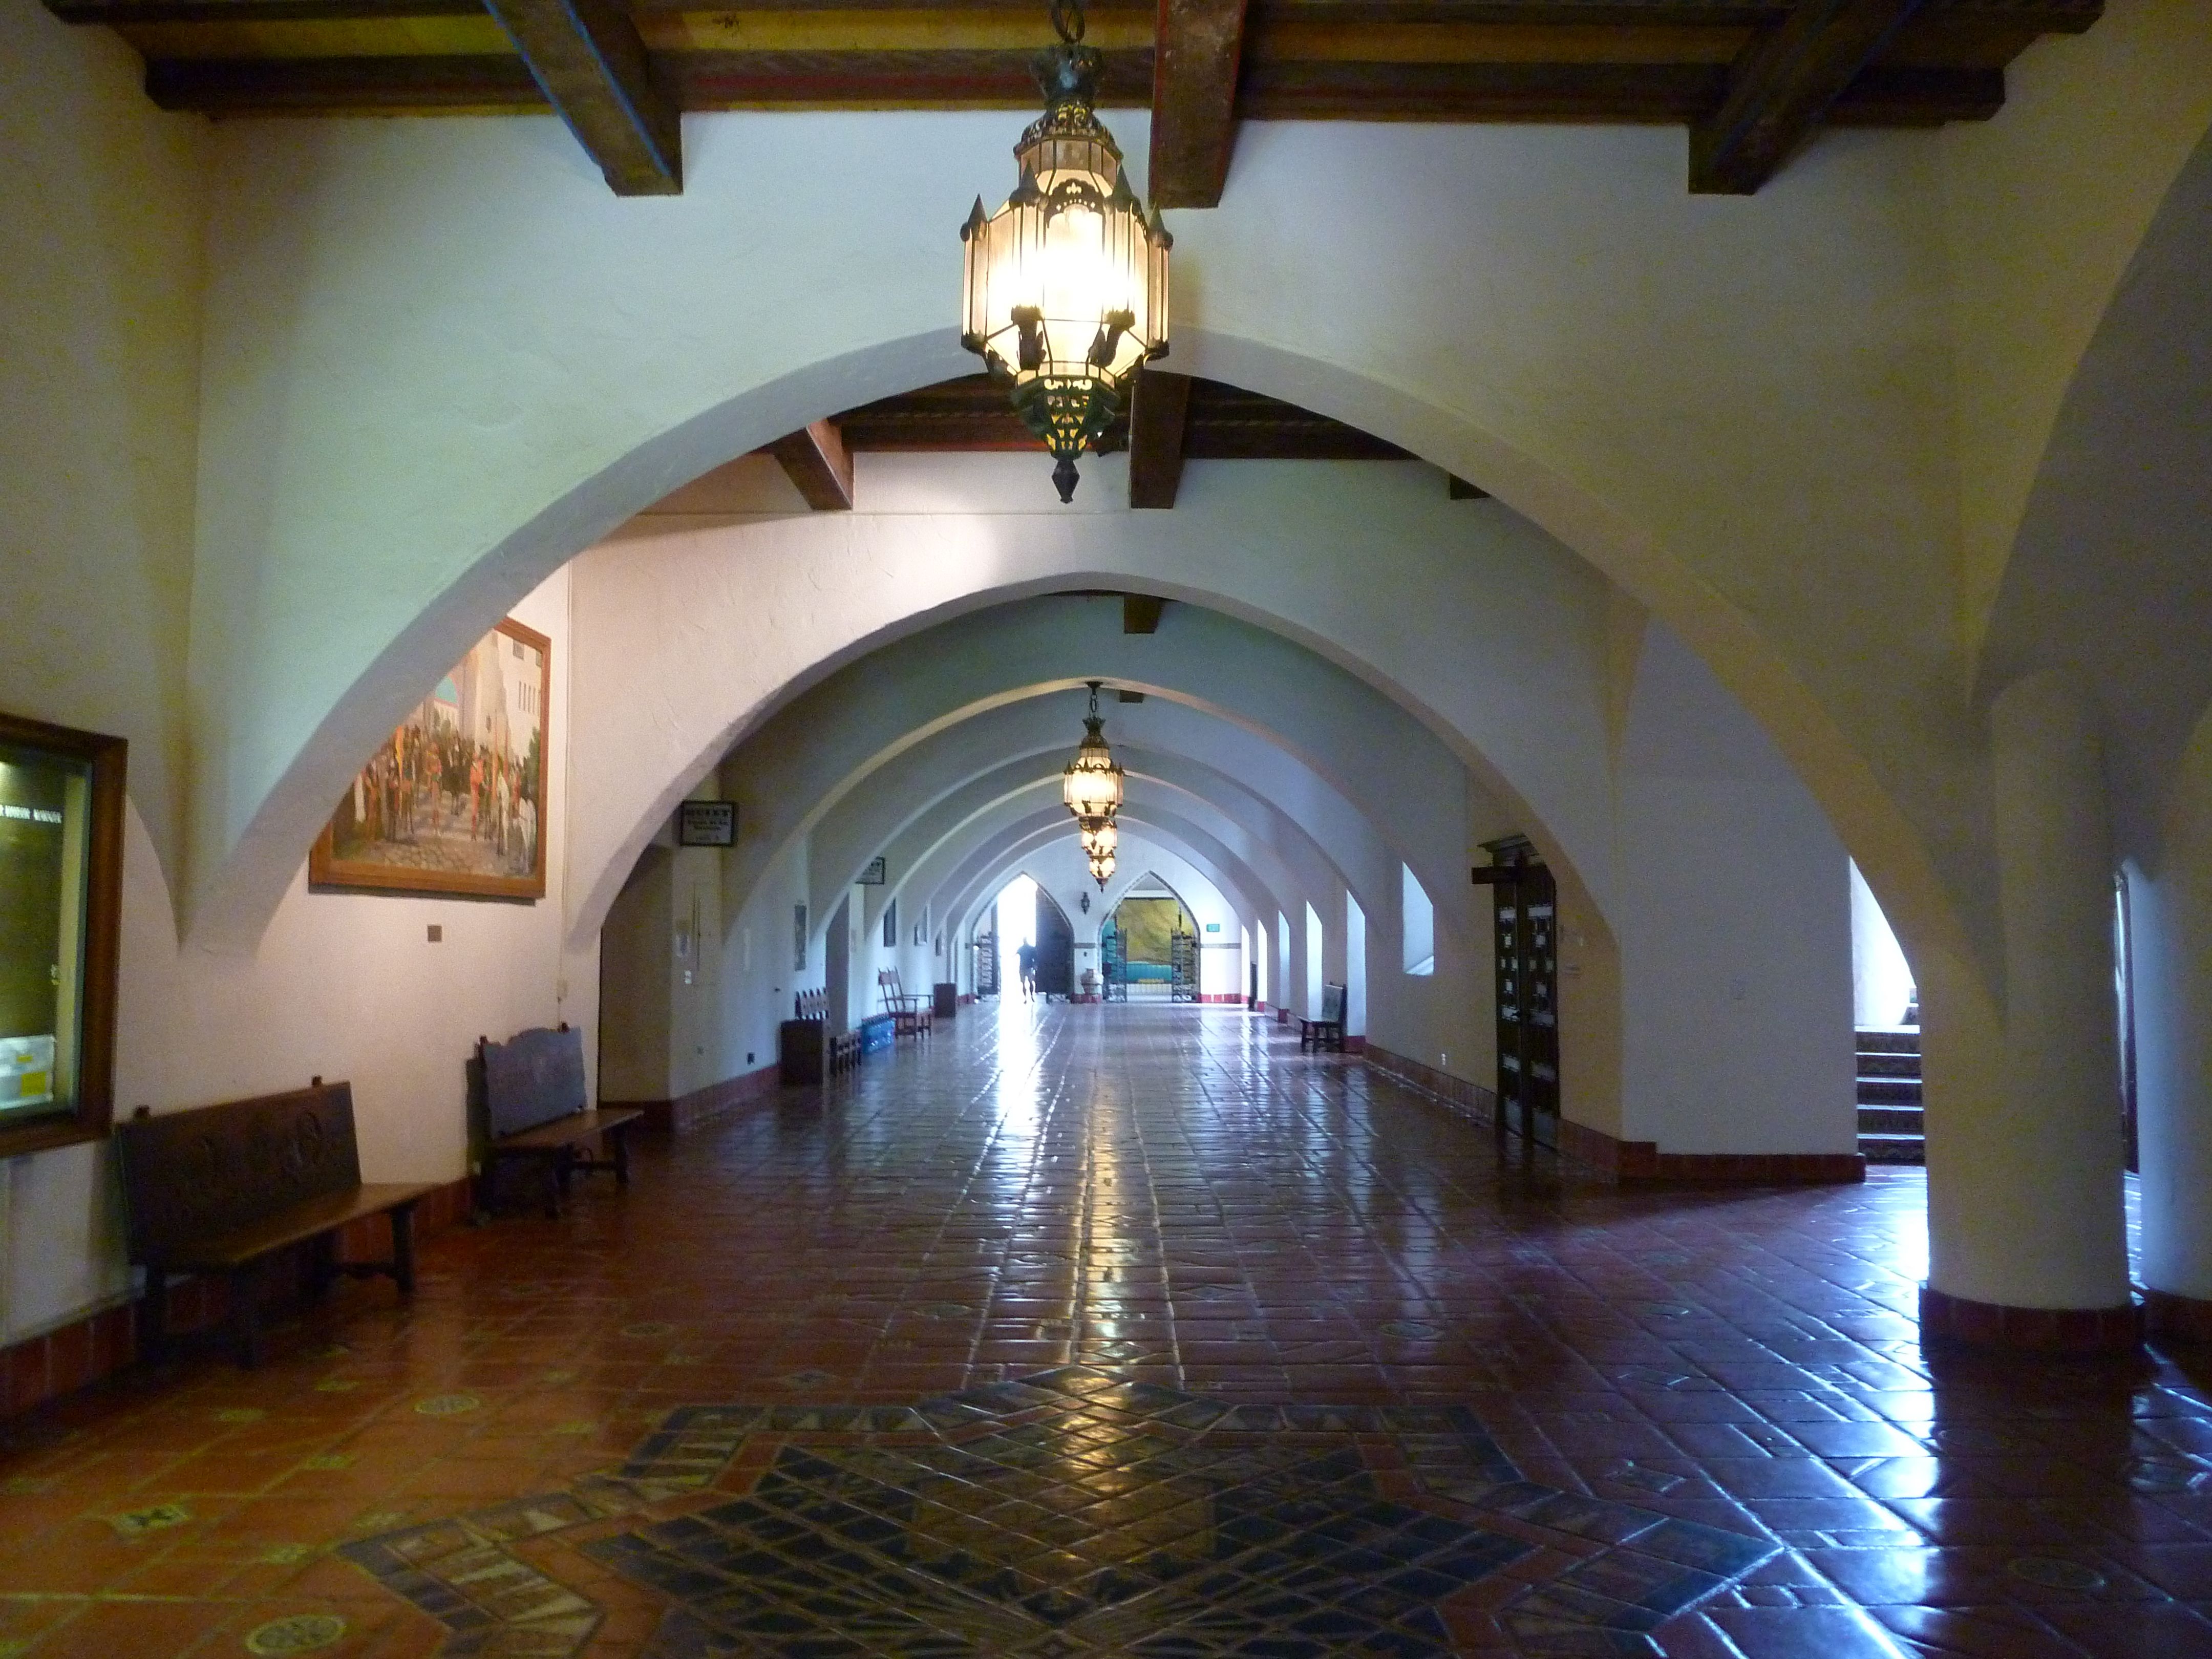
[(1124, 1331)]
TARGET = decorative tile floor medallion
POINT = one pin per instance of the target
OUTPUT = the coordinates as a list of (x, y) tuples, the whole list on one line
[(1073, 1512)]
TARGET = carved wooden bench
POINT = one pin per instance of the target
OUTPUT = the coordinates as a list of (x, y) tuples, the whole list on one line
[(1328, 1032), (802, 1051), (536, 1107), (223, 1189)]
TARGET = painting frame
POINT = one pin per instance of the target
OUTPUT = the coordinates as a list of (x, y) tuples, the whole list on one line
[(333, 867)]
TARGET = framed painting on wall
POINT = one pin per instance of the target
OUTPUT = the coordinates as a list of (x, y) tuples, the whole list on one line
[(454, 801)]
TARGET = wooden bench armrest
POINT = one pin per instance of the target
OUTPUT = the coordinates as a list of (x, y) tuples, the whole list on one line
[(294, 1224)]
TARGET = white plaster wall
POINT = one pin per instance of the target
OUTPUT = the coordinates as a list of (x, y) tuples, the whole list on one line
[(343, 986), (1735, 930), (101, 198), (101, 202), (1881, 979), (760, 970), (2045, 206), (634, 982)]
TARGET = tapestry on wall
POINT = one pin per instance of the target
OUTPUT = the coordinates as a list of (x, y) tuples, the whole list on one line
[(453, 801)]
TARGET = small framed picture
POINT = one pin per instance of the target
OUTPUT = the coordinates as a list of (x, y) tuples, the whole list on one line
[(706, 824), (799, 937), (874, 875)]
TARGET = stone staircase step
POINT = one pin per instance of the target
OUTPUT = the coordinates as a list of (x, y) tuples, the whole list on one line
[(1893, 1149), (1879, 1064), (1891, 1119), (1889, 1091), (1889, 1043)]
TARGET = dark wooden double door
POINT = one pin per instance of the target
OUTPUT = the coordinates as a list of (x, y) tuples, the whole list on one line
[(1055, 949), (1524, 910)]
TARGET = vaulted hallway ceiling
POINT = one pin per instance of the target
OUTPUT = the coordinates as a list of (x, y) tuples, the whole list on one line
[(1560, 628)]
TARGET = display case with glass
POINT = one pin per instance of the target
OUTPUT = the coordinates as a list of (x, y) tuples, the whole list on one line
[(61, 802)]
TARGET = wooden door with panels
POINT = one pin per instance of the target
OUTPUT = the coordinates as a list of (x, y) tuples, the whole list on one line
[(1525, 910), (1055, 949)]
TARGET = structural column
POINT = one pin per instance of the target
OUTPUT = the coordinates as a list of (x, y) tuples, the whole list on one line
[(2027, 1233), (2170, 910)]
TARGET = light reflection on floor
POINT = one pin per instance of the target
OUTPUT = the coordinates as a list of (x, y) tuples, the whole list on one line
[(1519, 1412)]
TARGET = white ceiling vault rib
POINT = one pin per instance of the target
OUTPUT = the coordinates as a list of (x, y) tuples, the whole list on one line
[(675, 670), (1269, 792), (1027, 843), (1262, 871), (967, 694)]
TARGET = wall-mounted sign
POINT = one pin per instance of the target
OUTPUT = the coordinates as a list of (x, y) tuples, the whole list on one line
[(874, 875), (706, 824), (1212, 927)]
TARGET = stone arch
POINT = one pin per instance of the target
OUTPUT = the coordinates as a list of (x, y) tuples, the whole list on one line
[(289, 472), (2106, 573)]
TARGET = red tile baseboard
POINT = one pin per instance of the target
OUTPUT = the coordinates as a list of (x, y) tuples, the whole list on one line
[(66, 1358), (2178, 1318), (701, 1105), (1641, 1160), (1469, 1100), (1945, 1318)]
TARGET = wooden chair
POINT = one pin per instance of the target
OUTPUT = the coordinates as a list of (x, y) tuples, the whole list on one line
[(1328, 1032), (910, 1011), (223, 1189)]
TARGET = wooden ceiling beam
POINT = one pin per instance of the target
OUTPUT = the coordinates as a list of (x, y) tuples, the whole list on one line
[(1781, 86), (349, 86), (589, 61), (1644, 93), (1141, 614), (1195, 58), (1158, 410), (818, 464)]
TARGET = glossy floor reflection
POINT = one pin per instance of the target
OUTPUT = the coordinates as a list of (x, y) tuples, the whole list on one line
[(1125, 1331)]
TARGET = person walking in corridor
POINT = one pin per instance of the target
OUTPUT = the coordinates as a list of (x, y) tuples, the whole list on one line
[(1027, 956)]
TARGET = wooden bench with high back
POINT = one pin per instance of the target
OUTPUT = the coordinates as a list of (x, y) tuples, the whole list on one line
[(1328, 1032), (537, 1108), (840, 1050), (910, 1011), (224, 1188)]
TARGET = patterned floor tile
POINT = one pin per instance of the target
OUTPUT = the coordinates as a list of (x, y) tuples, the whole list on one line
[(1127, 1331)]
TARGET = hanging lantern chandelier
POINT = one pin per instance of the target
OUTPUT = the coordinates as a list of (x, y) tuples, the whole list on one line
[(1091, 788), (1064, 291), (1091, 784)]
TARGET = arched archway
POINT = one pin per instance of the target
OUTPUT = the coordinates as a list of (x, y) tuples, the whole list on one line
[(1148, 942)]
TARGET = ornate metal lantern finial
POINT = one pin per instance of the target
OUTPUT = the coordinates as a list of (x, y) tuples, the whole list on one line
[(1064, 291)]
